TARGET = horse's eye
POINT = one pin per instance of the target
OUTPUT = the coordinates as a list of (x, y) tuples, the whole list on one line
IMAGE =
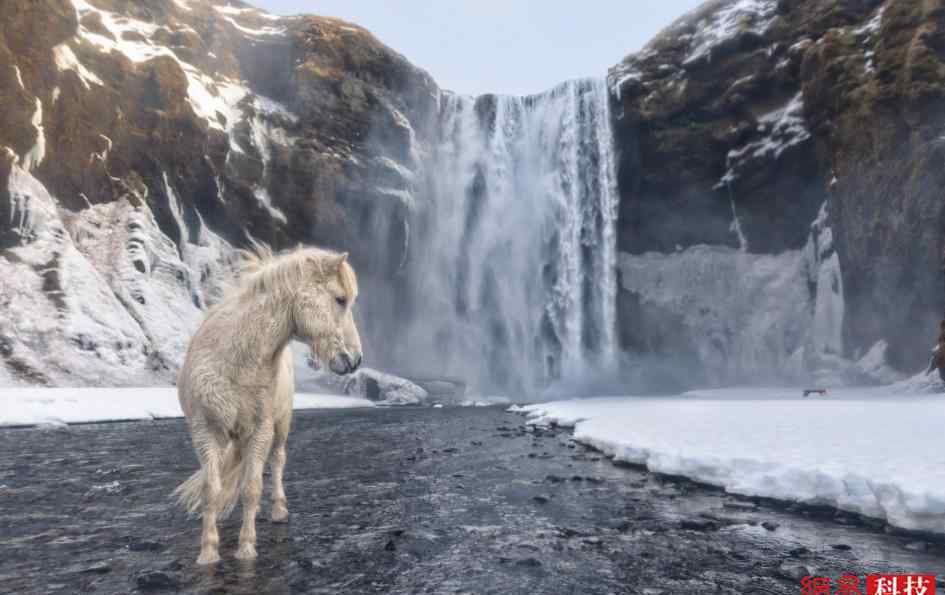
[(341, 301)]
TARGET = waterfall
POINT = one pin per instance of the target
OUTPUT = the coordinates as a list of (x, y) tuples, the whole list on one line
[(513, 265)]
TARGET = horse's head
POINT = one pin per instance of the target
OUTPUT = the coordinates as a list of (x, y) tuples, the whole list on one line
[(323, 312)]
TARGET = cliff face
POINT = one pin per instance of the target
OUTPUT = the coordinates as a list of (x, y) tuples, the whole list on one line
[(779, 169), (737, 123), (140, 141)]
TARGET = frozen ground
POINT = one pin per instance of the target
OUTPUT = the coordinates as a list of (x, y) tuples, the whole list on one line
[(58, 406), (875, 452)]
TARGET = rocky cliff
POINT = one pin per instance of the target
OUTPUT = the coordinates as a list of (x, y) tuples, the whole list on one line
[(739, 122), (777, 177), (140, 141)]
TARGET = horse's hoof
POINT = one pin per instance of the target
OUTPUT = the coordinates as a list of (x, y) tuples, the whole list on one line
[(246, 551), (208, 558), (279, 515)]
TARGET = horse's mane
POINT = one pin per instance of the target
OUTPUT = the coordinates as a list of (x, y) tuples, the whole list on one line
[(263, 271)]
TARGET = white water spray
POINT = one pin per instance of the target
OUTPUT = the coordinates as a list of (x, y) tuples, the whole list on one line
[(514, 262)]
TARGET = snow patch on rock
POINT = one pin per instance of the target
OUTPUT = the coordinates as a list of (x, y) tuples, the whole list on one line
[(69, 327), (102, 296), (367, 383), (125, 34), (265, 200), (66, 60), (385, 388), (218, 100), (780, 129), (35, 156), (236, 11), (621, 74), (868, 31), (262, 32), (734, 18), (19, 76)]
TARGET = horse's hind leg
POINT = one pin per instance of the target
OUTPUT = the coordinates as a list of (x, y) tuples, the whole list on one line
[(280, 510), (255, 453), (210, 453)]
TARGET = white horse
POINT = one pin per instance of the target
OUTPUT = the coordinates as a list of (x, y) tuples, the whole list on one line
[(237, 381)]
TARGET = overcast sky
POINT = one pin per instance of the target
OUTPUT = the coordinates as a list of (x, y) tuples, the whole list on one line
[(510, 46)]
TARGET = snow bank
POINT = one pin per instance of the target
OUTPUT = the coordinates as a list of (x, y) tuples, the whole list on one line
[(57, 406), (868, 451)]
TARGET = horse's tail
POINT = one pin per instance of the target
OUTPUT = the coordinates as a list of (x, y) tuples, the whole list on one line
[(190, 493)]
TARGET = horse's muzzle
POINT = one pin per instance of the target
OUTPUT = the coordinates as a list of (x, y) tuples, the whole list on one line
[(343, 363)]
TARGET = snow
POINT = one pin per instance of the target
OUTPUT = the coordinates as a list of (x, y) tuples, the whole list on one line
[(19, 76), (271, 107), (102, 295), (485, 401), (103, 154), (621, 74), (919, 384), (781, 129), (229, 12), (736, 227), (873, 25), (867, 451), (266, 130), (70, 326), (35, 156), (134, 49), (381, 387), (208, 96), (66, 60), (264, 32), (829, 304), (265, 200), (727, 22), (235, 11), (55, 406), (869, 31), (392, 390)]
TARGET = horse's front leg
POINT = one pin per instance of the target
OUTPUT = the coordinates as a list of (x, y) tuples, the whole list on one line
[(256, 452), (280, 510)]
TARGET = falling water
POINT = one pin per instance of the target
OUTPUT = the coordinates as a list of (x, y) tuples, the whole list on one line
[(514, 257)]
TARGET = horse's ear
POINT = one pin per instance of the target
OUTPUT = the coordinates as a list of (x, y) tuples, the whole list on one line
[(339, 260)]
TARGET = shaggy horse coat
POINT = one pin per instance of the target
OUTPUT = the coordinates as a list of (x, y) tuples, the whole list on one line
[(237, 381)]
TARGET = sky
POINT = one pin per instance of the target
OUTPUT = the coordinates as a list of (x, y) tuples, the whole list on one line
[(494, 46)]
